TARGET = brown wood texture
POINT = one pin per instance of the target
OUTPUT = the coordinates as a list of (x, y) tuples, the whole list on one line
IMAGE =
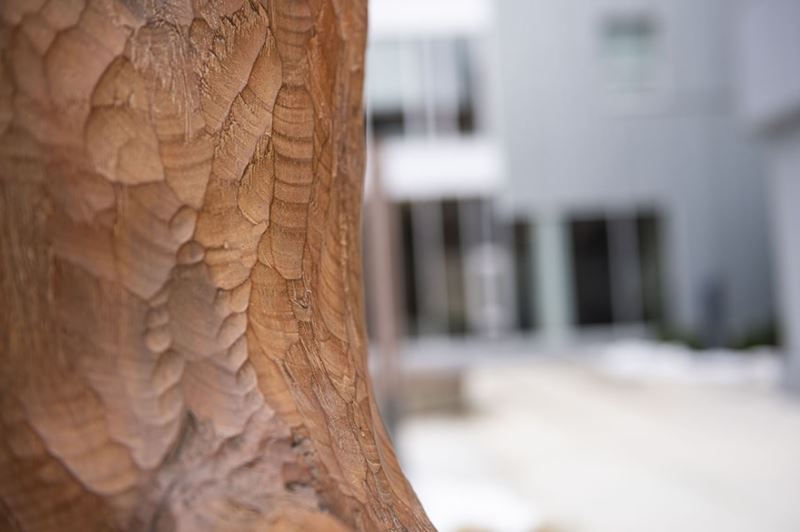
[(181, 324)]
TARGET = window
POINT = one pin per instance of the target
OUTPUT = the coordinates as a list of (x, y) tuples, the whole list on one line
[(591, 272), (630, 51), (617, 269), (422, 86), (464, 271)]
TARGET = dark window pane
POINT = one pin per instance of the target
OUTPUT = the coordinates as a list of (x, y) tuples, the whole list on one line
[(466, 120), (454, 266), (523, 270), (408, 273), (592, 281), (466, 83), (387, 123), (623, 249), (650, 260)]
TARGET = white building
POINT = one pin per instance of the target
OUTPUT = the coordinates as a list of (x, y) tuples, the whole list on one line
[(568, 168), (770, 101)]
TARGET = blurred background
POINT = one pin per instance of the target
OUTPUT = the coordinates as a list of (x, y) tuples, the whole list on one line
[(582, 254)]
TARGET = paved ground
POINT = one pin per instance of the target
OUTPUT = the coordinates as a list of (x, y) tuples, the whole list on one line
[(560, 446)]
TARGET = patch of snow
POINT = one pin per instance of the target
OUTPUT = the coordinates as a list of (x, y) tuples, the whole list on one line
[(642, 360), (457, 482), (454, 505)]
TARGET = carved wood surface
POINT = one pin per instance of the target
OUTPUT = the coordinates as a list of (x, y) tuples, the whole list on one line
[(181, 324)]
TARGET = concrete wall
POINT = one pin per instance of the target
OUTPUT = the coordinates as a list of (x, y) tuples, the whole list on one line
[(769, 78), (573, 145), (769, 55), (785, 196)]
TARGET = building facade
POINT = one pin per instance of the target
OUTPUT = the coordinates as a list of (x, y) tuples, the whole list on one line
[(568, 170)]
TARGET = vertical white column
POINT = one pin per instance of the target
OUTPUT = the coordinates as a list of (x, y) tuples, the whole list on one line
[(554, 279), (785, 196)]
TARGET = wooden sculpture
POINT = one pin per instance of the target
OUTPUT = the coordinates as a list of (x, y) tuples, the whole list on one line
[(181, 307)]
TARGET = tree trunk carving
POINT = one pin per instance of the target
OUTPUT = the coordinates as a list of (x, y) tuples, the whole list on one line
[(182, 336)]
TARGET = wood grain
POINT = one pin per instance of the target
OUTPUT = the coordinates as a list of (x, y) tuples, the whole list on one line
[(181, 311)]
